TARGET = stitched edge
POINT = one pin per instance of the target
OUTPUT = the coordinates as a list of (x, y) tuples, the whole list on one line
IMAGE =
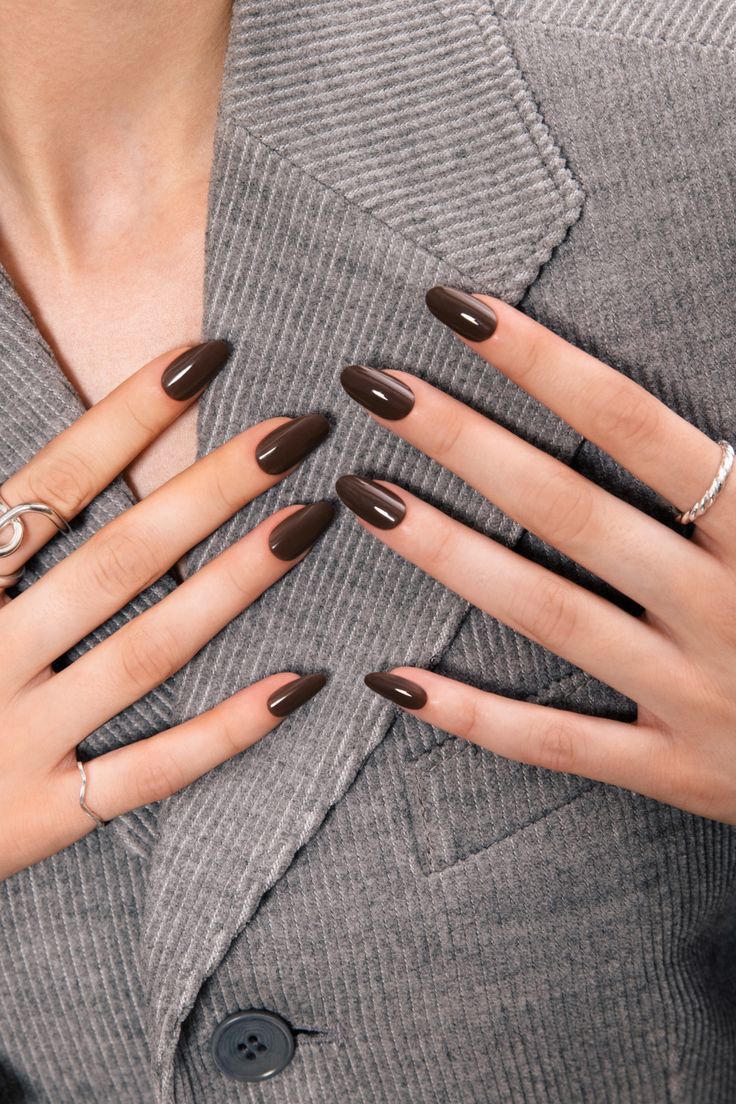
[(617, 36)]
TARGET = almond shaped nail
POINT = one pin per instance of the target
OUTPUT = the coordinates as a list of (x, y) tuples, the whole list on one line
[(193, 369), (289, 697), (298, 532), (289, 443), (463, 313), (400, 691), (377, 391), (370, 501)]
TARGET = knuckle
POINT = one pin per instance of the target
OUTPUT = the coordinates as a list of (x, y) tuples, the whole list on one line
[(533, 352), (617, 411), (158, 775), (122, 564), (229, 490), (147, 657), (546, 613), (562, 508), (148, 422), (441, 551), (64, 481), (446, 433), (557, 742)]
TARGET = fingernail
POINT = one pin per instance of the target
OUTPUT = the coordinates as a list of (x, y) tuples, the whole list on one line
[(400, 691), (371, 502), (288, 698), (193, 369), (377, 391), (298, 532), (286, 445), (463, 313)]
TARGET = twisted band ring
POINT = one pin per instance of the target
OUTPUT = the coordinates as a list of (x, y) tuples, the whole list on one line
[(10, 516), (704, 503)]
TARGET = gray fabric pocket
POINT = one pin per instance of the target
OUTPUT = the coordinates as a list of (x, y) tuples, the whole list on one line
[(461, 798)]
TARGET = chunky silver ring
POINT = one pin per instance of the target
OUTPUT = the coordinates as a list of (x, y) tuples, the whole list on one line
[(98, 820), (11, 515), (704, 503)]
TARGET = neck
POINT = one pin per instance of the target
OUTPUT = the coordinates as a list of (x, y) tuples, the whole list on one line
[(104, 106)]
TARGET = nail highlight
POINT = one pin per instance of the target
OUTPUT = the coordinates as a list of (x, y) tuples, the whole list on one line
[(193, 369), (289, 443), (370, 501), (377, 391), (400, 691), (298, 532), (288, 698), (463, 313)]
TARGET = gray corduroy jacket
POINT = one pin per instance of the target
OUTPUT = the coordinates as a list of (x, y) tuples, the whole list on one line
[(435, 924)]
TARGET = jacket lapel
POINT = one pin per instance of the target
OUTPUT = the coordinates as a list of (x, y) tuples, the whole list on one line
[(355, 166)]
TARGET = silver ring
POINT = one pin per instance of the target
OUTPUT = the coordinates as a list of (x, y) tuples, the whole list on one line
[(98, 820), (704, 503), (11, 515)]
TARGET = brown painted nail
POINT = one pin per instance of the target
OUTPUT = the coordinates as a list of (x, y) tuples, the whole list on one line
[(377, 391), (298, 532), (193, 369), (288, 698), (370, 501), (289, 443), (463, 313), (400, 691)]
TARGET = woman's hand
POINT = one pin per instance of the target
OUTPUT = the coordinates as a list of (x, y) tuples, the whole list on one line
[(677, 661), (43, 715)]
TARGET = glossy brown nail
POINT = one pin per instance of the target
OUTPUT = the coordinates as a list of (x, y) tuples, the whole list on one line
[(288, 698), (298, 532), (370, 501), (400, 691), (193, 369), (377, 391), (289, 443), (463, 313)]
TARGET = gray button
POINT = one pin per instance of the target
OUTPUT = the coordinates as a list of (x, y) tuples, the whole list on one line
[(252, 1045)]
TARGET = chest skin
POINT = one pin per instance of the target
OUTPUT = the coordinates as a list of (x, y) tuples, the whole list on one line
[(132, 291)]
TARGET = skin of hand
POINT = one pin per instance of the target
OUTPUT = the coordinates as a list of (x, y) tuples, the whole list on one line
[(45, 715), (677, 661)]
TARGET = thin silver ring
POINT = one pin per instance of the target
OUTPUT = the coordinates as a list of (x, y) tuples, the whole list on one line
[(704, 503), (98, 820), (11, 515)]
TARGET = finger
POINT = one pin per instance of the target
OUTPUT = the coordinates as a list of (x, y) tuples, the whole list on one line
[(154, 769), (580, 626), (129, 553), (153, 646), (619, 543), (625, 420), (610, 751), (149, 770), (75, 466)]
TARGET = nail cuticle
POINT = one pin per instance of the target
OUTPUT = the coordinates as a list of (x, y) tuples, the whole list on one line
[(193, 369), (297, 533), (290, 443), (401, 691), (289, 697), (462, 312), (370, 501), (377, 391)]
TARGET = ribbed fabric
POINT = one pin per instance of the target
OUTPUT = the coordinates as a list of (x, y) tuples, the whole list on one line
[(698, 23), (435, 923)]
